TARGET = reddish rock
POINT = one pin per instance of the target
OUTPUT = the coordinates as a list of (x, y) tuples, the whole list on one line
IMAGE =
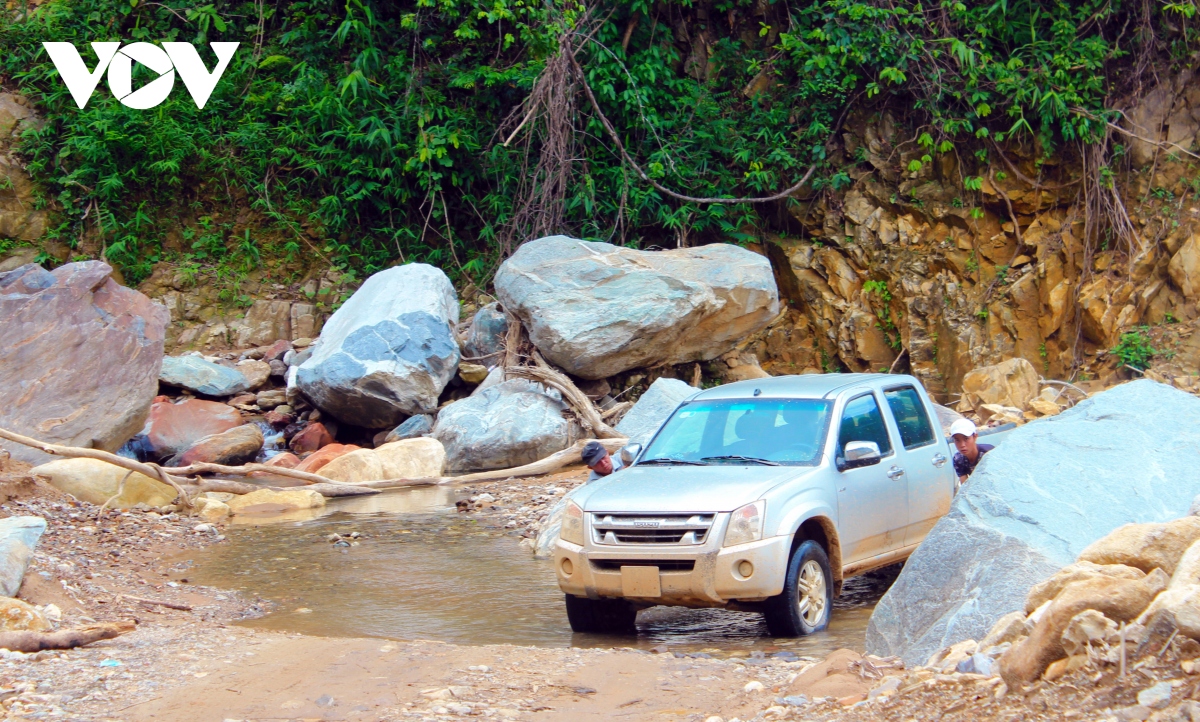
[(275, 351), (162, 399), (80, 357), (243, 400), (327, 454), (278, 420), (286, 460), (175, 427), (236, 446), (313, 438)]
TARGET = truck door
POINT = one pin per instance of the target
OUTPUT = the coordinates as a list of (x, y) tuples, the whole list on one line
[(925, 464), (872, 500)]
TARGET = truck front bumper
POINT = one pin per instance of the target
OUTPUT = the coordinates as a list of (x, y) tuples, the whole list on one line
[(701, 576)]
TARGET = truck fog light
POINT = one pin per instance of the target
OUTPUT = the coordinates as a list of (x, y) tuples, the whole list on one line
[(567, 567), (745, 568)]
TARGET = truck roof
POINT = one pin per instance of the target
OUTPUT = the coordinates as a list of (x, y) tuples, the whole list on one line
[(806, 386)]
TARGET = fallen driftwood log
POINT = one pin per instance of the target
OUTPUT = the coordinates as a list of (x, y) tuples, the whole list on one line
[(544, 374), (325, 487), (156, 603), (567, 457), (29, 642), (176, 477), (250, 470), (328, 490)]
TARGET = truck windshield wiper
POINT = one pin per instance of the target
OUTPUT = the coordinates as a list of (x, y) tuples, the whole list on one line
[(732, 457), (669, 460)]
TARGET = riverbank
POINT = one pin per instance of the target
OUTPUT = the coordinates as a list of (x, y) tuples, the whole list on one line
[(189, 660)]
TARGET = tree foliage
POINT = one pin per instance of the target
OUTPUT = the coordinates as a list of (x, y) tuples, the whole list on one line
[(374, 127)]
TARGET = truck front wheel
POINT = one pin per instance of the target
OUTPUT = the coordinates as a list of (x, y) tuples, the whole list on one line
[(600, 616), (807, 598)]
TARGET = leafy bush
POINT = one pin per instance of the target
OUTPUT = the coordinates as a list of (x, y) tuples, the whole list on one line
[(1134, 350)]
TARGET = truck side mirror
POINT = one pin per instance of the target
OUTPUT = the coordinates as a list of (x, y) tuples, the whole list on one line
[(629, 453), (859, 454)]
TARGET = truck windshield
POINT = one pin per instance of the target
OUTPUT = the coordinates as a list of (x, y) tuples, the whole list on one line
[(743, 431)]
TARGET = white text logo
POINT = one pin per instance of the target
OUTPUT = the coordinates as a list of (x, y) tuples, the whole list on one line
[(119, 62)]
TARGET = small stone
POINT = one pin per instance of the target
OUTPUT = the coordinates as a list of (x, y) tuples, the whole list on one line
[(472, 373), (754, 686), (796, 700), (1136, 713), (1155, 697), (256, 372), (977, 664), (325, 701)]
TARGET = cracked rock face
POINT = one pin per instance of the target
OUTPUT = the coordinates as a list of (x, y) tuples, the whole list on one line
[(1045, 493), (596, 309), (388, 352), (80, 357)]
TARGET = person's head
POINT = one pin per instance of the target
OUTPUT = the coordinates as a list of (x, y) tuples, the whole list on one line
[(597, 459), (965, 436)]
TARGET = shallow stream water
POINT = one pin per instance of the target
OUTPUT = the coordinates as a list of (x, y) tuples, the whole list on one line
[(423, 571)]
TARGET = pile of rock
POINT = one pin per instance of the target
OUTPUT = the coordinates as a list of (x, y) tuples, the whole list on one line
[(1012, 392), (409, 389)]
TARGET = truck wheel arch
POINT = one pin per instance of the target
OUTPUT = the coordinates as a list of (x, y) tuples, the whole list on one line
[(823, 531)]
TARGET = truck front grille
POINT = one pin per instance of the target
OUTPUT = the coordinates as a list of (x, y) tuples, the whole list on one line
[(664, 565), (631, 529)]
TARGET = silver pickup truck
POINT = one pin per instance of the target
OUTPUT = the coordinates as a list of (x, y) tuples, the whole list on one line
[(761, 495)]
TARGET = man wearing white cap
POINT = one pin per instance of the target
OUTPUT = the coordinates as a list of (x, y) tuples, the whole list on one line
[(966, 438)]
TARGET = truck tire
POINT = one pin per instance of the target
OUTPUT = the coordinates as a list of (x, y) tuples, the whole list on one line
[(806, 602), (600, 616)]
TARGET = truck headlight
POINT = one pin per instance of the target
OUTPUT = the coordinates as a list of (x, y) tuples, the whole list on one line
[(745, 524), (572, 524)]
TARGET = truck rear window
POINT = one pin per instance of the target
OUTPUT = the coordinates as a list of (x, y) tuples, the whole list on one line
[(783, 431)]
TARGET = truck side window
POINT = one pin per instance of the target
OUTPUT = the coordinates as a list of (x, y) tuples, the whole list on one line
[(915, 429), (862, 421)]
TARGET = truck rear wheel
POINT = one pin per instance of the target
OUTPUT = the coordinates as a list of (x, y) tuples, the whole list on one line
[(600, 616), (806, 602)]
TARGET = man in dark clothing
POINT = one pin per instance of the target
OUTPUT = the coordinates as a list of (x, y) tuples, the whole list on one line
[(970, 451), (598, 460)]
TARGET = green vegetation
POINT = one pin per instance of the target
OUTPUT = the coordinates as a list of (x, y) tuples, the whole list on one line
[(1134, 349), (367, 133)]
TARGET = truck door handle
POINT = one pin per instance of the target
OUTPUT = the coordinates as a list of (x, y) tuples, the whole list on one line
[(939, 461), (895, 472)]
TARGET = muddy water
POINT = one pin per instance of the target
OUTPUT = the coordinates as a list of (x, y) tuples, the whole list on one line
[(422, 571)]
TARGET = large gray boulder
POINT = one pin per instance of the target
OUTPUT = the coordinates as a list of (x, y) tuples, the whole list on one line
[(1130, 454), (388, 352), (198, 374), (653, 408), (19, 536), (512, 423), (79, 357), (596, 309)]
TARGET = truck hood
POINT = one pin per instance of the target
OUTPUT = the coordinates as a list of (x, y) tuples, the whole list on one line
[(678, 489)]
